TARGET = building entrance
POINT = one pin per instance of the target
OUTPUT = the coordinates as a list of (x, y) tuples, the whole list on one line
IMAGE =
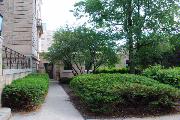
[(49, 69)]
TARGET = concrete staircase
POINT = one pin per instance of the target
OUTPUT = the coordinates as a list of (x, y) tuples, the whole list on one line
[(5, 113)]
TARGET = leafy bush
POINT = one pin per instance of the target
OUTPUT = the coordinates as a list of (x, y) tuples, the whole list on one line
[(151, 72), (112, 70), (26, 93), (169, 76), (107, 92)]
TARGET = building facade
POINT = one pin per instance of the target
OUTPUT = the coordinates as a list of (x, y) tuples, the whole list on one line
[(22, 27), (44, 43), (46, 39)]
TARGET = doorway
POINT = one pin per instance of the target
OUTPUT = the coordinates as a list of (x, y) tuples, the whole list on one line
[(49, 69)]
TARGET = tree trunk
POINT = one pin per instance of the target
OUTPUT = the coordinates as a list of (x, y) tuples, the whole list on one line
[(131, 56), (130, 37)]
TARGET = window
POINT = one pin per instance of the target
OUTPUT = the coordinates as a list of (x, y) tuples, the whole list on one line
[(67, 66), (86, 66), (127, 63)]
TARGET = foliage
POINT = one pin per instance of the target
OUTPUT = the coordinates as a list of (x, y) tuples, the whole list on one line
[(26, 93), (80, 46), (172, 59), (107, 92), (134, 21), (169, 76), (151, 71), (154, 50), (112, 70)]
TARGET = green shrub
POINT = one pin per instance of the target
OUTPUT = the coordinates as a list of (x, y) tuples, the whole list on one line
[(106, 92), (151, 72), (169, 76), (112, 70), (26, 93)]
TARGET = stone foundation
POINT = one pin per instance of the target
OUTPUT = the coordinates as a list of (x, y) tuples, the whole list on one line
[(12, 74)]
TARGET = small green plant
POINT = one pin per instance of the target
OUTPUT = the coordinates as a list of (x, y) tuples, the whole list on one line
[(106, 92), (26, 93)]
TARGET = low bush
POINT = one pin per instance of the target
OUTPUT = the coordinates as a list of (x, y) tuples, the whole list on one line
[(112, 70), (26, 93), (107, 92), (151, 72), (169, 76)]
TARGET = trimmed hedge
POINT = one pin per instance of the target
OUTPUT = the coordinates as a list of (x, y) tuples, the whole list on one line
[(112, 70), (107, 92), (26, 93), (169, 76)]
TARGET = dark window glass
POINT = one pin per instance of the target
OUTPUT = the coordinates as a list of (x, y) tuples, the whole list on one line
[(67, 66), (86, 66)]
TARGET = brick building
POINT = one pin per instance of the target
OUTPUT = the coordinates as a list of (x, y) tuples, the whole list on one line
[(22, 27)]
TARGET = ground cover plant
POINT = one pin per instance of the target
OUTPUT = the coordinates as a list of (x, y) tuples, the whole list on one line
[(26, 93), (106, 93)]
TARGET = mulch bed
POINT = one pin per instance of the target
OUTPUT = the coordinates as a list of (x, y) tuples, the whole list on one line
[(122, 112)]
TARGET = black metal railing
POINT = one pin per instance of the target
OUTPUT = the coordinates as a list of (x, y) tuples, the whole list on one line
[(14, 60)]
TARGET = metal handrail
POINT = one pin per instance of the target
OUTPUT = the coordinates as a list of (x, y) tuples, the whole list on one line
[(14, 60)]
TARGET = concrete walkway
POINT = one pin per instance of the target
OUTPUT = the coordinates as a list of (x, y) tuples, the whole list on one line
[(168, 117), (56, 107)]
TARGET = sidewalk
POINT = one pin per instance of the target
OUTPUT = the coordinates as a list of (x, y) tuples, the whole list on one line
[(56, 107), (168, 117)]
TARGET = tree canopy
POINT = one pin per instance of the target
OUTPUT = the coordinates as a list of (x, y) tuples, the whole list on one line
[(81, 47), (136, 21)]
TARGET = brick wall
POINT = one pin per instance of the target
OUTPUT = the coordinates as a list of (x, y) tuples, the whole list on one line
[(19, 28)]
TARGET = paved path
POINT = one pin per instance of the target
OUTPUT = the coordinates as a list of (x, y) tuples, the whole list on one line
[(168, 117), (56, 107)]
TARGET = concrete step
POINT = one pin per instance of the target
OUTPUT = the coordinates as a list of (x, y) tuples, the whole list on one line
[(5, 113)]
